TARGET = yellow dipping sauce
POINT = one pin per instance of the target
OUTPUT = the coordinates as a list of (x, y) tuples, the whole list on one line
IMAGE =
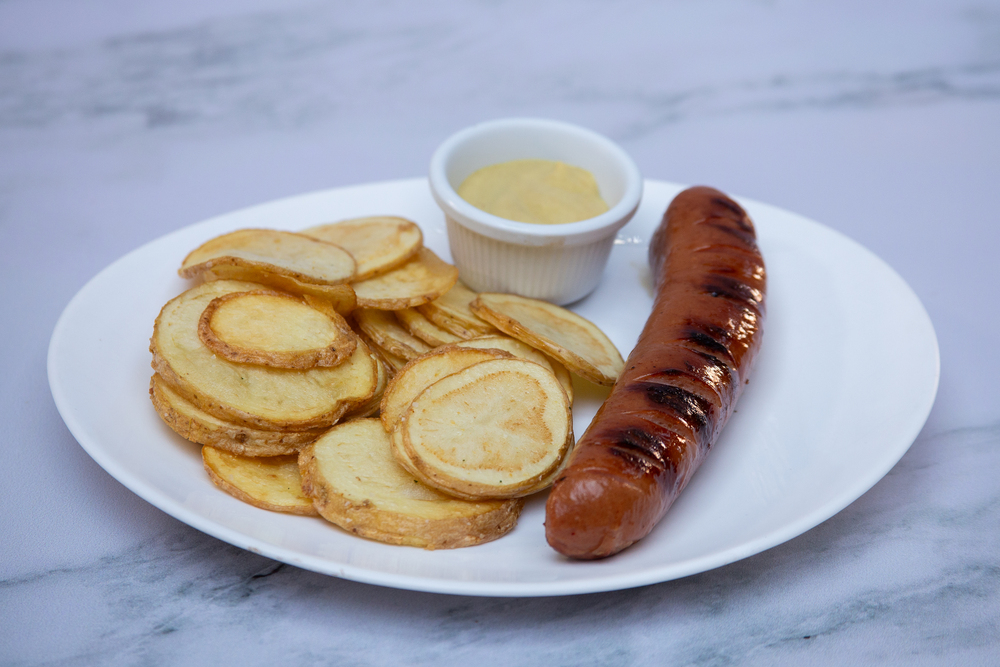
[(543, 192)]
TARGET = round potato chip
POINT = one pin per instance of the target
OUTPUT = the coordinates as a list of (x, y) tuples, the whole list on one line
[(556, 331), (196, 425), (393, 363), (522, 350), (424, 329), (274, 329), (258, 396), (371, 406), (420, 373), (451, 312), (382, 327), (378, 244), (496, 429), (325, 298), (270, 483), (297, 256), (356, 484), (423, 278)]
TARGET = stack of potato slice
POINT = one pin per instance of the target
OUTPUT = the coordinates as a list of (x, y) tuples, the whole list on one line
[(278, 358)]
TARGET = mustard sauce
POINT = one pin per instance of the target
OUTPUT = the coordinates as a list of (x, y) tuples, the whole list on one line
[(542, 192)]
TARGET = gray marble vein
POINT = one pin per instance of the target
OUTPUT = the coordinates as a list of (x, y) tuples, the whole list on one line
[(283, 69)]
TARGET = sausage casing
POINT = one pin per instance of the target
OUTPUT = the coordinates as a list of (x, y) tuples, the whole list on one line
[(680, 383)]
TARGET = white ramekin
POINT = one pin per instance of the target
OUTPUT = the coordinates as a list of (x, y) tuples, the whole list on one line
[(557, 263)]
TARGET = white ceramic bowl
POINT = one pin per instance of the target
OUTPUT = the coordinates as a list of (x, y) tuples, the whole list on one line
[(557, 263)]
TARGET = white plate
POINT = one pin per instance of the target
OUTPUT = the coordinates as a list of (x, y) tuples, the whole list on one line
[(843, 384)]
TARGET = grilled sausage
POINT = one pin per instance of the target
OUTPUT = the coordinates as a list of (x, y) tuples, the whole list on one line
[(679, 385)]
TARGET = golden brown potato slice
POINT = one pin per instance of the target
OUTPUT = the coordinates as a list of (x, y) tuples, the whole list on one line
[(425, 371), (270, 483), (371, 406), (496, 429), (393, 363), (258, 396), (565, 379), (421, 279), (337, 298), (378, 244), (556, 331), (356, 484), (274, 329), (452, 313), (198, 426), (424, 329), (382, 327), (522, 350), (296, 256)]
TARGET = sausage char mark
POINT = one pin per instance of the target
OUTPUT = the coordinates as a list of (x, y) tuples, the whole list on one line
[(643, 450), (703, 338), (742, 233), (732, 206), (734, 290), (689, 407)]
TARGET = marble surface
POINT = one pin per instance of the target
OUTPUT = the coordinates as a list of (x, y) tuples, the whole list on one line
[(122, 121)]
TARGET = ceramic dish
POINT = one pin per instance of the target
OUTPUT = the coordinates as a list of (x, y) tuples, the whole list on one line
[(846, 377), (559, 263)]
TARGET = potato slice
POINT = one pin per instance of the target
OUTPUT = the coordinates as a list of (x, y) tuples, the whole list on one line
[(382, 327), (338, 298), (199, 427), (274, 329), (257, 396), (296, 256), (421, 279), (424, 329), (522, 350), (556, 331), (425, 371), (395, 363), (496, 429), (378, 244), (270, 483), (371, 406), (452, 313), (356, 484)]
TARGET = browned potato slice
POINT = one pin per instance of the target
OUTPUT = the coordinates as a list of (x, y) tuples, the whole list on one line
[(378, 244), (259, 396), (425, 371), (424, 329), (556, 331), (382, 327), (496, 429), (270, 483), (522, 350), (326, 298), (565, 379), (421, 279), (200, 427), (356, 484), (274, 329), (371, 406), (393, 363), (452, 313), (296, 256)]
